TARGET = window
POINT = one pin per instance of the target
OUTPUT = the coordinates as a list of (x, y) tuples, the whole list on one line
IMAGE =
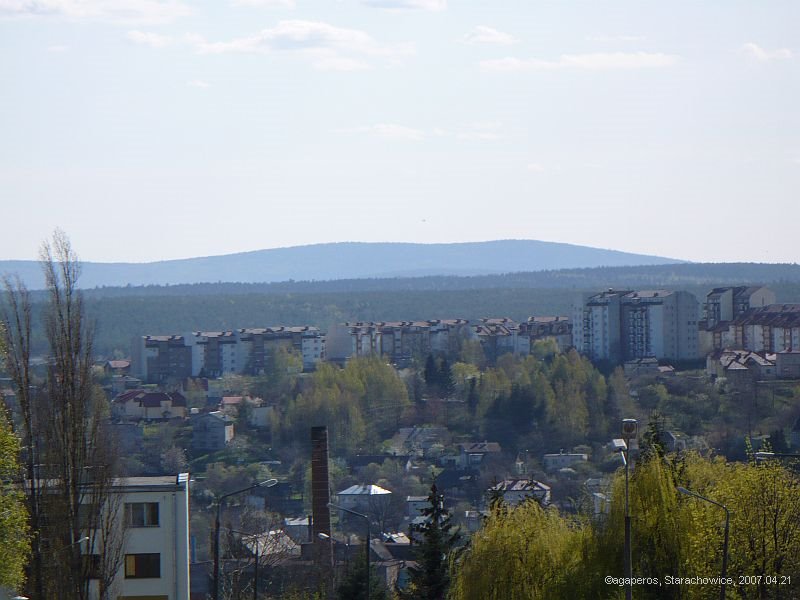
[(140, 566), (141, 514), (92, 565)]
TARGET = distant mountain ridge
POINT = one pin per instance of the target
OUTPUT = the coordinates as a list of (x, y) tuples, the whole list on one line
[(348, 260)]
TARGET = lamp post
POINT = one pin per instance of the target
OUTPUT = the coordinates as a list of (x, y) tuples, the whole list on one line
[(630, 429), (366, 519), (683, 490), (257, 541), (267, 483)]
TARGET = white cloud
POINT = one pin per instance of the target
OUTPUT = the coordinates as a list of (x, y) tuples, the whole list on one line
[(338, 63), (264, 3), (615, 38), (490, 130), (756, 52), (117, 11), (327, 46), (398, 132), (390, 131), (593, 61), (536, 168), (486, 35), (482, 131), (57, 48), (154, 40), (433, 5), (198, 83)]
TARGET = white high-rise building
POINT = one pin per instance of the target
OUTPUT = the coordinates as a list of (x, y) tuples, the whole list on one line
[(624, 325)]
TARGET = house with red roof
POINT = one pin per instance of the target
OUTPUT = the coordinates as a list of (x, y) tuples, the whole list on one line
[(137, 405)]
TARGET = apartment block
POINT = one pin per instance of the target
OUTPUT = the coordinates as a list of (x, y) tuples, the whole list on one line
[(401, 341), (771, 328), (620, 325), (157, 359), (722, 306), (155, 562)]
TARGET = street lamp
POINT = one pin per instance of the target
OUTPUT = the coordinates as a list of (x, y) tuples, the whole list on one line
[(366, 519), (630, 429), (683, 490), (257, 540), (267, 483)]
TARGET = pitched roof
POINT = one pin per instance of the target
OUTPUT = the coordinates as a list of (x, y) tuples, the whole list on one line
[(364, 490), (479, 447)]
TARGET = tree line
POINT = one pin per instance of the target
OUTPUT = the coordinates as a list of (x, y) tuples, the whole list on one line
[(530, 552), (64, 526)]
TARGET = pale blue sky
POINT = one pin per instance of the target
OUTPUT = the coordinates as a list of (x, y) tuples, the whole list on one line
[(150, 130)]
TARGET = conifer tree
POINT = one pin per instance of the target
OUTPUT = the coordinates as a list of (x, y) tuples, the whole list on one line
[(430, 579)]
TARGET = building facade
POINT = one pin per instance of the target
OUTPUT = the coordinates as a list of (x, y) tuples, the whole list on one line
[(158, 359), (621, 325), (155, 561)]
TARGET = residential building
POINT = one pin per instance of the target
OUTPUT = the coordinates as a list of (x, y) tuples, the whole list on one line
[(363, 498), (471, 455), (724, 304), (771, 328), (597, 326), (157, 359), (515, 491), (211, 431), (415, 505), (787, 364), (561, 460), (401, 341), (741, 366), (500, 336), (116, 367), (546, 327), (155, 561), (136, 405), (625, 325), (258, 344)]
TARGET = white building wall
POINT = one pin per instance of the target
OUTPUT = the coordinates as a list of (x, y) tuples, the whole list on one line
[(169, 539), (313, 349), (190, 339), (657, 326)]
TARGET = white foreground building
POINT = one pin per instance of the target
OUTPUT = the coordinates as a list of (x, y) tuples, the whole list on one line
[(155, 565)]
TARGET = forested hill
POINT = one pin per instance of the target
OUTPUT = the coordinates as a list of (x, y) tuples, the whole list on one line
[(122, 313), (348, 260), (639, 277)]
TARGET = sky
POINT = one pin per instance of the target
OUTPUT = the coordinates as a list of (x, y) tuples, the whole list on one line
[(158, 129)]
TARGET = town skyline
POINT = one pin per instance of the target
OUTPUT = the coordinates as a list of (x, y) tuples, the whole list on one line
[(215, 128)]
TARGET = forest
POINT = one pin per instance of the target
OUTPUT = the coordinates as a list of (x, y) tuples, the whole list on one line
[(123, 313)]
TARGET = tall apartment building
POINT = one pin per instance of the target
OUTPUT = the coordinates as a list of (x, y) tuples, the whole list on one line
[(619, 325), (597, 326), (722, 306), (215, 353)]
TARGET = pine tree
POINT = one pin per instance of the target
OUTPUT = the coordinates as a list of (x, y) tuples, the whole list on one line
[(431, 373), (445, 378), (430, 579), (353, 584)]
